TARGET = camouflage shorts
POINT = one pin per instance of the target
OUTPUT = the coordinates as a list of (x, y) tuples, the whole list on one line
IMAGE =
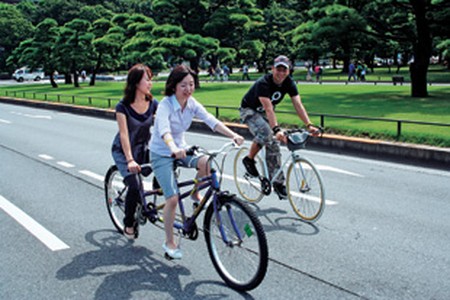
[(259, 127)]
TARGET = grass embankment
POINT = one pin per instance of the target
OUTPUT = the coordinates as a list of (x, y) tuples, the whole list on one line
[(373, 101)]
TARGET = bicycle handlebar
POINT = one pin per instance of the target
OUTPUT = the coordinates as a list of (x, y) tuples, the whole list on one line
[(195, 148), (301, 130), (189, 151), (297, 138)]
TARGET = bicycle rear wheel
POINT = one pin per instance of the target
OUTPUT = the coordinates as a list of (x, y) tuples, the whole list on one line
[(249, 187), (115, 192), (305, 189), (236, 243)]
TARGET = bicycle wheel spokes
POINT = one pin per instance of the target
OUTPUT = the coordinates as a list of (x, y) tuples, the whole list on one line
[(305, 190), (115, 192), (248, 187), (237, 244)]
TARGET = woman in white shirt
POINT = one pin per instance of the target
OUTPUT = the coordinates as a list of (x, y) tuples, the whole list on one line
[(174, 117)]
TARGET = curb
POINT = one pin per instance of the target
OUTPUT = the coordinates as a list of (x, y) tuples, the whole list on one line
[(415, 154)]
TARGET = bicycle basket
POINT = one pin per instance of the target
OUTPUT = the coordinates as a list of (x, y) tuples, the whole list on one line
[(297, 140)]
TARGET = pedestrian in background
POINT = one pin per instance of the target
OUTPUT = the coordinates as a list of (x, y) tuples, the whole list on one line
[(245, 72)]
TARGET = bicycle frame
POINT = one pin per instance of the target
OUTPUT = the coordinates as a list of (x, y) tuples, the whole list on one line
[(232, 230), (211, 182), (291, 158)]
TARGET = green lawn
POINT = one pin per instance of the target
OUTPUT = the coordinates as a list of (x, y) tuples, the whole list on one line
[(436, 73), (375, 101)]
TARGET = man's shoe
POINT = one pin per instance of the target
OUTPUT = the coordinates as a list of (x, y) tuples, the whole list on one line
[(172, 253), (280, 189), (250, 166)]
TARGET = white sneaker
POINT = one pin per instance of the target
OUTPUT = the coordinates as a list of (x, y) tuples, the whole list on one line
[(173, 253)]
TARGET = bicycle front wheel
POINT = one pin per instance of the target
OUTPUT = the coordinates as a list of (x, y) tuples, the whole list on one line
[(305, 189), (236, 243), (249, 187), (115, 192)]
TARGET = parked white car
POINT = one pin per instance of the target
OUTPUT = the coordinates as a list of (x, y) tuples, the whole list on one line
[(25, 73)]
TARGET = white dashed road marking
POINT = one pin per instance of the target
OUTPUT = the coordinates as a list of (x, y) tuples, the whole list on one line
[(45, 156), (65, 164), (225, 176)]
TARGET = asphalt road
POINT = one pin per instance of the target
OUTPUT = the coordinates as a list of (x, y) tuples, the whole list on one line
[(384, 233)]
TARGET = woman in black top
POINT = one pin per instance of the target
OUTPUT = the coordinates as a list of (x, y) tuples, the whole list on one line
[(134, 115)]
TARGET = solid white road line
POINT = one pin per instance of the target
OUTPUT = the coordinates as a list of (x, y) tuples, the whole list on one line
[(92, 175), (337, 170), (5, 121), (36, 229), (311, 198)]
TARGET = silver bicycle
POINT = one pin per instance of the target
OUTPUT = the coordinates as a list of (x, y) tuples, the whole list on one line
[(304, 184)]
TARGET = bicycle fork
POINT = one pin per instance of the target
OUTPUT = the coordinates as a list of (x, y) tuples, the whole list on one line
[(219, 224)]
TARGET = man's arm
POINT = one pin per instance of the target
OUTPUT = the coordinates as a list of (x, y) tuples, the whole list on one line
[(303, 114), (300, 109), (271, 117), (270, 113)]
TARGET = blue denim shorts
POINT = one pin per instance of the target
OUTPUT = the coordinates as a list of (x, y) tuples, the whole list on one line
[(163, 168), (121, 162)]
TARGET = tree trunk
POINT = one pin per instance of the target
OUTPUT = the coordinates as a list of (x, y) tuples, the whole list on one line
[(422, 50), (67, 78), (195, 67), (92, 82), (418, 72), (95, 70), (75, 79), (52, 81)]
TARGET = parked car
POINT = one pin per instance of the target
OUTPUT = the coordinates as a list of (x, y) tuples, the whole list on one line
[(26, 73)]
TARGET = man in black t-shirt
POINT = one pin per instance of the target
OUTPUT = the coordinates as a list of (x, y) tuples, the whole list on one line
[(257, 111)]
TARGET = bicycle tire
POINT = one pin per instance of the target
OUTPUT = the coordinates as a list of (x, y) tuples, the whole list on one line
[(242, 262), (305, 190), (115, 192), (249, 188)]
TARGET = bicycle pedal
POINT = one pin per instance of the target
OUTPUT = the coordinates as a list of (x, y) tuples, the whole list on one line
[(142, 219), (281, 197)]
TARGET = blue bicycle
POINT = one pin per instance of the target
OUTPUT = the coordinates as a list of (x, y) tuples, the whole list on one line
[(234, 235)]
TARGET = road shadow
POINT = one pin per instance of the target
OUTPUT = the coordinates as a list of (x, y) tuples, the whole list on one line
[(277, 219), (130, 271)]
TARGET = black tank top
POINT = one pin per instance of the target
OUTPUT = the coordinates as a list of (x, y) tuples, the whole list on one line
[(138, 130)]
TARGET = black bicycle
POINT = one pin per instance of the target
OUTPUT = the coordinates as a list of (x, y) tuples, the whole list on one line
[(234, 235)]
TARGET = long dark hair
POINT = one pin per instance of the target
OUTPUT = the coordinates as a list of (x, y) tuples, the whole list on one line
[(135, 74), (176, 76)]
